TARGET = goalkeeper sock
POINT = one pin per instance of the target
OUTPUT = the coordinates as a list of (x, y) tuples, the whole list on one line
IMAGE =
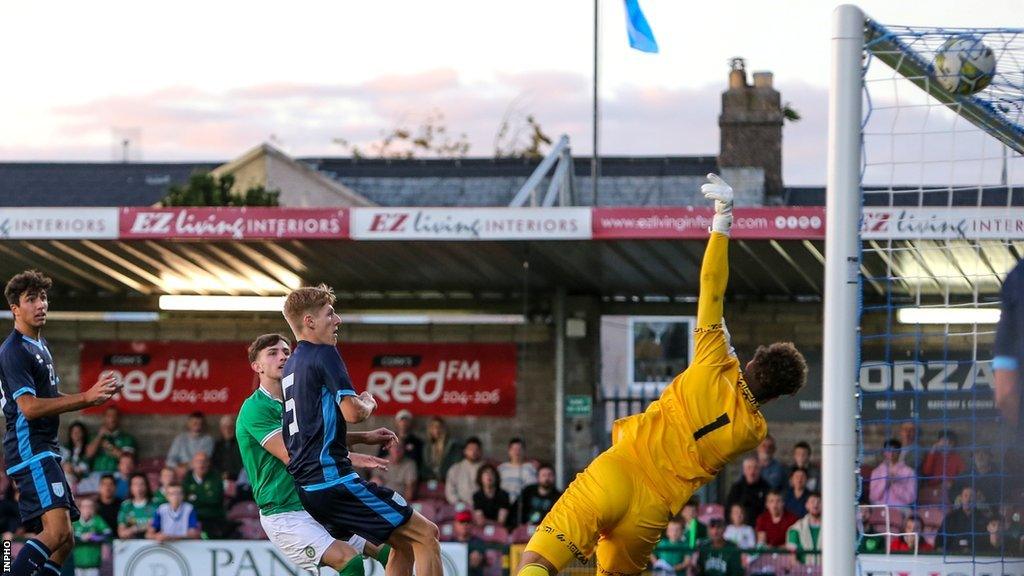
[(533, 570), (354, 567), (382, 554)]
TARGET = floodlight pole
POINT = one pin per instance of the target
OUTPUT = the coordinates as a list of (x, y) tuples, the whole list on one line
[(595, 157), (842, 286)]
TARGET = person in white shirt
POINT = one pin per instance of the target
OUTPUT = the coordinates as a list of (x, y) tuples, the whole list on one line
[(460, 483), (516, 473), (174, 519), (738, 531)]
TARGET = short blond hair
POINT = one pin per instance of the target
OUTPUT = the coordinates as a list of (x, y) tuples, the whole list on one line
[(305, 300)]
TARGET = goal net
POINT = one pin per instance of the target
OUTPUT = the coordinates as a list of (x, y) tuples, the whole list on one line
[(913, 289)]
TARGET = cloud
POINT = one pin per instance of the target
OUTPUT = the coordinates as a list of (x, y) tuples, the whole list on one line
[(189, 122)]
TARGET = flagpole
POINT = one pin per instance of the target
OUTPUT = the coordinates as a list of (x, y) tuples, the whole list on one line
[(595, 157)]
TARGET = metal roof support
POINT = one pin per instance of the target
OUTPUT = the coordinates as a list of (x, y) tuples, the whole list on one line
[(559, 153), (558, 307)]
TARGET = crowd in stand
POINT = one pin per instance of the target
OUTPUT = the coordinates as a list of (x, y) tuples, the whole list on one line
[(915, 500), (201, 490)]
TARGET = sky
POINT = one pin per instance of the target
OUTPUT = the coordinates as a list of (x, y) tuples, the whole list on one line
[(196, 80)]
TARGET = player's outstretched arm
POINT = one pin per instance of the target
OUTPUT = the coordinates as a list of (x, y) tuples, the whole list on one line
[(33, 407), (714, 271)]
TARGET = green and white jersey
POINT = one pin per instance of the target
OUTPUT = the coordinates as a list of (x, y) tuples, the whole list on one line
[(272, 486)]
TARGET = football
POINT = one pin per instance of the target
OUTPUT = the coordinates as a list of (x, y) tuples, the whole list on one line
[(964, 65)]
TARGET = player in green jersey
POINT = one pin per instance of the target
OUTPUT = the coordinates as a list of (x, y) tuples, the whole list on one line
[(287, 524)]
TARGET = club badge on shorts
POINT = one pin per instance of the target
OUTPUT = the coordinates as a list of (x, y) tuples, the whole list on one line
[(58, 489)]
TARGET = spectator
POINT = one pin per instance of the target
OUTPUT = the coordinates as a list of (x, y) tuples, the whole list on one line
[(987, 480), (910, 540), (796, 495), (462, 531), (942, 465), (73, 454), (716, 556), (802, 459), (110, 443), (187, 444), (108, 504), (91, 532), (749, 491), (125, 470), (771, 469), (516, 473), (693, 529), (460, 482), (440, 452), (738, 531), (490, 502), (803, 536), (871, 540), (167, 477), (136, 512), (205, 492), (994, 542), (536, 499), (174, 519), (892, 482), (772, 524), (401, 474), (226, 458), (671, 555), (963, 527), (413, 443), (911, 452)]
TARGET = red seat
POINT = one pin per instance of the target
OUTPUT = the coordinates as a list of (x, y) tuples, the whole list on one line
[(444, 512), (932, 495), (932, 516), (492, 532), (251, 529), (880, 515), (447, 530), (147, 465), (244, 510), (522, 534), (711, 511), (430, 489)]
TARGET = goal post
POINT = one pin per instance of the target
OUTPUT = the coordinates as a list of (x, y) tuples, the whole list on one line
[(842, 280), (924, 218)]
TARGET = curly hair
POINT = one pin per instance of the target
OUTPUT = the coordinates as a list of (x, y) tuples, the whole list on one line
[(29, 281), (778, 369)]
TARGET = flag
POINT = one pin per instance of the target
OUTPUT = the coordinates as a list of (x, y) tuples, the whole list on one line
[(640, 35)]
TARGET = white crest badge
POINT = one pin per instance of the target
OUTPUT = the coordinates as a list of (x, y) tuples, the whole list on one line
[(58, 489)]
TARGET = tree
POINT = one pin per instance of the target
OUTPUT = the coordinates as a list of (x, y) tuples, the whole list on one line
[(520, 135), (430, 139), (204, 189)]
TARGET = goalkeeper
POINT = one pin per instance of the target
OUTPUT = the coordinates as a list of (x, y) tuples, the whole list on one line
[(708, 415)]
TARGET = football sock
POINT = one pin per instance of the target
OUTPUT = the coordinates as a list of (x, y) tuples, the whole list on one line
[(31, 558), (382, 554), (354, 567)]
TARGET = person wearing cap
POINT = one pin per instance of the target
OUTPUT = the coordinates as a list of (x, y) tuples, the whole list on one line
[(462, 531), (716, 556), (413, 443)]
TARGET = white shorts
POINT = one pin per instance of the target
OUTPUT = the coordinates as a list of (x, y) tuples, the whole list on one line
[(302, 539)]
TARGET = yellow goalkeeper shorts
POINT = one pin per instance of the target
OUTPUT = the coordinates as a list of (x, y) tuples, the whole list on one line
[(609, 507)]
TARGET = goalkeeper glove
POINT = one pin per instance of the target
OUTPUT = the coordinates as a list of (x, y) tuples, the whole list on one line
[(719, 190)]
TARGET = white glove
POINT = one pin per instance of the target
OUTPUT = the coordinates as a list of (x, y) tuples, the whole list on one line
[(719, 190)]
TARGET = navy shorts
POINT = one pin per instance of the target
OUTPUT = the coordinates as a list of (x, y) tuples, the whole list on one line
[(353, 506), (41, 487)]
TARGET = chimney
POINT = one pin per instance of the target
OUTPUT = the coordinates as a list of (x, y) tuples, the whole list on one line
[(751, 126)]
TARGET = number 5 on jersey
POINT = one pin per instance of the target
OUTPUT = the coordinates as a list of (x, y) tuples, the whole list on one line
[(290, 414)]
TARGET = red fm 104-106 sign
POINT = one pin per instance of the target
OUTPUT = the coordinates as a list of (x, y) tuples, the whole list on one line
[(182, 377)]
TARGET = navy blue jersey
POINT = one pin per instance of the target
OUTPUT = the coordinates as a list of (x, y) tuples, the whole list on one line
[(26, 367), (1009, 348), (315, 380)]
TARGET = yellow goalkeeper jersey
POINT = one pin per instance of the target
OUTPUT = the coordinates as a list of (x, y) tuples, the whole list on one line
[(707, 415)]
